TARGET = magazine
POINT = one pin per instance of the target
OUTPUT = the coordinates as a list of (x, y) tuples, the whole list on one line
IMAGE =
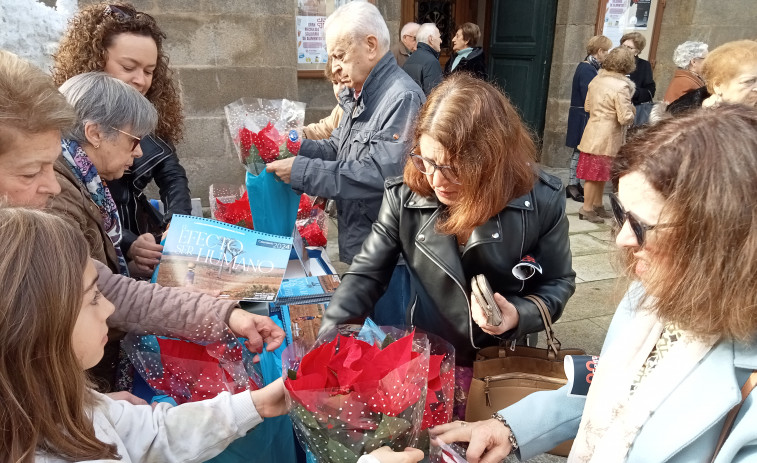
[(213, 256), (305, 321), (307, 290)]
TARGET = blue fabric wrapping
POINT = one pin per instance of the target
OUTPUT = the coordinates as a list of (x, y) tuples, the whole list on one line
[(273, 439), (273, 204)]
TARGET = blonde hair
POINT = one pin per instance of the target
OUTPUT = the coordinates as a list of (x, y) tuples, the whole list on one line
[(43, 388), (596, 43), (724, 63), (621, 60), (29, 101)]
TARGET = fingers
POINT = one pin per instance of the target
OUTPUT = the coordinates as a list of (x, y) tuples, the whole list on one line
[(413, 455), (128, 397), (457, 431)]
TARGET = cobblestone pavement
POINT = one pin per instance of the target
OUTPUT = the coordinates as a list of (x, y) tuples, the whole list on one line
[(587, 316)]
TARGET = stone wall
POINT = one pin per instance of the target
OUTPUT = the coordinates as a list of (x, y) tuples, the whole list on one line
[(220, 52), (705, 20)]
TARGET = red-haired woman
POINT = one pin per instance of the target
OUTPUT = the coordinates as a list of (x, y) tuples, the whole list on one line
[(471, 202)]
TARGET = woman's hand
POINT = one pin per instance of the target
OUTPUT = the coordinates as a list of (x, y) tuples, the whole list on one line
[(489, 439), (270, 400), (510, 316), (144, 254), (387, 455)]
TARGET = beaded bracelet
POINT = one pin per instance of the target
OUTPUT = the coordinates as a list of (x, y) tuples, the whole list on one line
[(513, 441)]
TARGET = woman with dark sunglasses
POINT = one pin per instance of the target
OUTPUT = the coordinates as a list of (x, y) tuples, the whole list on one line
[(128, 45), (675, 377), (471, 202)]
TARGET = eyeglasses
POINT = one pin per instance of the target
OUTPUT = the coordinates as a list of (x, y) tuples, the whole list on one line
[(136, 139), (428, 167), (638, 227)]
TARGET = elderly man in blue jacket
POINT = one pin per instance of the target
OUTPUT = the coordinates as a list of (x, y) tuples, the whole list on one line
[(380, 103)]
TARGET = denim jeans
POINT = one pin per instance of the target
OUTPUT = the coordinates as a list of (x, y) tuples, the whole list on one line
[(391, 308)]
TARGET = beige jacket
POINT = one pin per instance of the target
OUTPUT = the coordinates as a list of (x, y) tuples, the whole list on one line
[(322, 129), (608, 103), (147, 308)]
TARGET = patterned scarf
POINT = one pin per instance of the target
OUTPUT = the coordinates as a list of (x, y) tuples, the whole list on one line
[(85, 171), (593, 61)]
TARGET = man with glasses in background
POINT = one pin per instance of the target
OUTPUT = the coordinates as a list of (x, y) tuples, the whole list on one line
[(423, 66), (407, 44)]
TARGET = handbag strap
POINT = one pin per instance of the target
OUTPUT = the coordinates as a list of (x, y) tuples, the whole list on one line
[(553, 344), (748, 386)]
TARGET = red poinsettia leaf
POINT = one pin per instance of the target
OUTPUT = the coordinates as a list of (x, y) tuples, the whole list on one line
[(434, 367), (317, 360), (312, 234), (293, 147), (246, 137)]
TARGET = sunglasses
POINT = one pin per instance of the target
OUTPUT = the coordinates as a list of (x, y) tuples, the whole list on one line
[(135, 138), (638, 227), (121, 14), (428, 167)]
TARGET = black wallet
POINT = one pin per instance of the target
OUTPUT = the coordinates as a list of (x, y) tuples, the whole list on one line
[(485, 298)]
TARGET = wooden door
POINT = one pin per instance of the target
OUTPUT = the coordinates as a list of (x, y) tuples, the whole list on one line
[(520, 54)]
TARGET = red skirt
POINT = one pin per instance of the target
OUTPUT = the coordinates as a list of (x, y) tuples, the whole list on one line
[(594, 167)]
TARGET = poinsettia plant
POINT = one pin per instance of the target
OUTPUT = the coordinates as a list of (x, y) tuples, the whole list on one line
[(265, 130), (353, 393), (312, 221), (230, 204), (191, 370)]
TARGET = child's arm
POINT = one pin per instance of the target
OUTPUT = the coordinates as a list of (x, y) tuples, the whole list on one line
[(190, 432)]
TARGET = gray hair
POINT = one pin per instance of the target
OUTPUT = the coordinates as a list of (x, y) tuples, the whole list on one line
[(109, 103), (425, 31), (358, 20), (408, 27), (687, 51)]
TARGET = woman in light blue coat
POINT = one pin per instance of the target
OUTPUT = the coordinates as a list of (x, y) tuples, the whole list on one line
[(683, 341)]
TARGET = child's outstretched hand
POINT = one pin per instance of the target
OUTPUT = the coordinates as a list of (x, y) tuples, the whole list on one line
[(270, 400)]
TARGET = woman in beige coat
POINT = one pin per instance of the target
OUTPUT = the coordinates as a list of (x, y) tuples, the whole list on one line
[(610, 109)]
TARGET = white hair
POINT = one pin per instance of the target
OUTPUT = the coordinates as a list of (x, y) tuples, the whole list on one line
[(408, 27), (687, 51), (425, 31), (359, 19)]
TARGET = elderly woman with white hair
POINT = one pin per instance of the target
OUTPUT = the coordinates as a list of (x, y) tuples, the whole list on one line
[(688, 57)]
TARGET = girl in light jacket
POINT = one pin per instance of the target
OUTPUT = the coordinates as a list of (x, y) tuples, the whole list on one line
[(608, 103)]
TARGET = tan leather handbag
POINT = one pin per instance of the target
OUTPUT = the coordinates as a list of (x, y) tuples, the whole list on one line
[(504, 375)]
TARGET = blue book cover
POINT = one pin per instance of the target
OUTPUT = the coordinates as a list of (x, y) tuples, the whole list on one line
[(308, 289), (219, 258)]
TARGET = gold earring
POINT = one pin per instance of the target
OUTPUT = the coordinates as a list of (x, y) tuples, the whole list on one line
[(97, 147)]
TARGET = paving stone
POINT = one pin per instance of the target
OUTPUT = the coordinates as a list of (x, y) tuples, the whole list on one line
[(582, 244), (594, 267), (605, 235), (594, 299), (583, 226)]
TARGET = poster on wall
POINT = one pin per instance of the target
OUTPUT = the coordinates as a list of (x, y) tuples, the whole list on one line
[(311, 41), (623, 16)]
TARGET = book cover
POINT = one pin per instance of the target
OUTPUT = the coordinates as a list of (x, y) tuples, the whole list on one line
[(213, 256), (307, 290), (305, 321), (579, 369)]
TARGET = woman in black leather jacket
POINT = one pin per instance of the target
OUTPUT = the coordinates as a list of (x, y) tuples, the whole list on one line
[(128, 45), (472, 202)]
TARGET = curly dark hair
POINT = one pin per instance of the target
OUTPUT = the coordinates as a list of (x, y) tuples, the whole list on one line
[(84, 45)]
